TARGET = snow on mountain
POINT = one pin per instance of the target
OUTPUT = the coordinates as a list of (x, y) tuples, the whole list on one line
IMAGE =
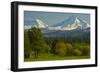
[(84, 24), (41, 24), (76, 24), (27, 26), (38, 24), (71, 23)]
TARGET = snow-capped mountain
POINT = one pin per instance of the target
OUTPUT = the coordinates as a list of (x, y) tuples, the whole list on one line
[(41, 24), (37, 23), (66, 25), (72, 23)]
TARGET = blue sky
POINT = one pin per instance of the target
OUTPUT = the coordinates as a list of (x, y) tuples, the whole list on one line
[(51, 18)]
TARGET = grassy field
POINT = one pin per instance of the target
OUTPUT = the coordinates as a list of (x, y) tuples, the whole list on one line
[(51, 57)]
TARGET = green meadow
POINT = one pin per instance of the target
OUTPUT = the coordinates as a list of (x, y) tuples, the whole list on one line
[(51, 57)]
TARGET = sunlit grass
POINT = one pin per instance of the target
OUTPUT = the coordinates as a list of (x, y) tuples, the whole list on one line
[(51, 57)]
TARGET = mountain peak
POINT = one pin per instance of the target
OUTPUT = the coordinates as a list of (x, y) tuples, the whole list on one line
[(41, 24), (37, 23)]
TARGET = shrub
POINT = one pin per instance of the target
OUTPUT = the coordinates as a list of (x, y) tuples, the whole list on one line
[(59, 48), (77, 52), (69, 49), (86, 51)]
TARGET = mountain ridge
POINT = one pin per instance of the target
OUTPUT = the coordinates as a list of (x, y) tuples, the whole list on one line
[(72, 23)]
